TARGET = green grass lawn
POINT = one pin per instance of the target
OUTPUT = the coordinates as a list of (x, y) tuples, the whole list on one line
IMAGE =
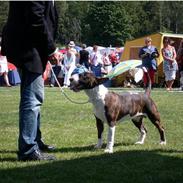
[(71, 128)]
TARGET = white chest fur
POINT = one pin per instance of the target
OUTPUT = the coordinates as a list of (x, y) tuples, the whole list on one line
[(97, 96)]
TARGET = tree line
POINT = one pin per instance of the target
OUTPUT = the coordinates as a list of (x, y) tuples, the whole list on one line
[(111, 22)]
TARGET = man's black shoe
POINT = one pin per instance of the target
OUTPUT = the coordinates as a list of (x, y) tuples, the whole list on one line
[(36, 156), (46, 148)]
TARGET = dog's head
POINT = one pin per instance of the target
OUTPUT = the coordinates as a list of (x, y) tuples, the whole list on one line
[(84, 81)]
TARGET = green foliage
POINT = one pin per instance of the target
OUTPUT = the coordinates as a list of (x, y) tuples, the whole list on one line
[(71, 16), (3, 14), (112, 22)]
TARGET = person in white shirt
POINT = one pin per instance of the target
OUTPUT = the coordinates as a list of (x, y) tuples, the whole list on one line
[(96, 61), (69, 65), (107, 63)]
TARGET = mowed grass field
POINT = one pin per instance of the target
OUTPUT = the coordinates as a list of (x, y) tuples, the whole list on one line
[(71, 128)]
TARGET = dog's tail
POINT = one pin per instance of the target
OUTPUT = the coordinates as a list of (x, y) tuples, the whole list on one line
[(149, 83)]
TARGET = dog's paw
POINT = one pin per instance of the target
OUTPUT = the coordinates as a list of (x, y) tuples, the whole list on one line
[(110, 151), (163, 143), (98, 146), (139, 142)]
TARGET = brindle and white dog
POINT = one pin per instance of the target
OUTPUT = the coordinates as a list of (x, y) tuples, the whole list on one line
[(111, 107)]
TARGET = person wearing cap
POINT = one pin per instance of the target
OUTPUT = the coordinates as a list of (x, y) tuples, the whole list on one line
[(84, 57), (148, 54), (72, 47), (69, 65)]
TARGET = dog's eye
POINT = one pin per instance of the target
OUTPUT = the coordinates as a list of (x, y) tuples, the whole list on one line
[(81, 75)]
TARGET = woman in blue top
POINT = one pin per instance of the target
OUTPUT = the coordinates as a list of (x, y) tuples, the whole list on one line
[(169, 65), (148, 54)]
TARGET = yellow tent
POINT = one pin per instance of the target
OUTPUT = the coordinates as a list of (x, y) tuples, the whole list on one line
[(131, 48)]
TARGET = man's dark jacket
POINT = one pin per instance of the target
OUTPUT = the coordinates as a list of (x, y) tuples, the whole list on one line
[(28, 36)]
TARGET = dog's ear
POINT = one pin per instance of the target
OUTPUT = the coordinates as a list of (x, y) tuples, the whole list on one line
[(101, 80)]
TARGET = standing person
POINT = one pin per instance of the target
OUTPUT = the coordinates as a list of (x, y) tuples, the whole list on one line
[(69, 65), (4, 68), (106, 63), (96, 62), (84, 57), (169, 65), (72, 47), (180, 63), (148, 54), (28, 40)]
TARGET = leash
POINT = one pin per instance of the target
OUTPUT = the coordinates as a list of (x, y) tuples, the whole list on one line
[(61, 89)]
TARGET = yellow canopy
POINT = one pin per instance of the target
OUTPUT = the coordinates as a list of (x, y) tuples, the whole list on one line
[(132, 47)]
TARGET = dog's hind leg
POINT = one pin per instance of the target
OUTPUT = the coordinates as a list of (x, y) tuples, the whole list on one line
[(100, 129), (155, 119), (138, 122), (110, 139)]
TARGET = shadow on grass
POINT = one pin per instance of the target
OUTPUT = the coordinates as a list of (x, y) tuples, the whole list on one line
[(7, 151), (86, 148), (157, 166)]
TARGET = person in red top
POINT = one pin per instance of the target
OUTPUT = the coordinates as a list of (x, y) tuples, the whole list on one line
[(113, 59)]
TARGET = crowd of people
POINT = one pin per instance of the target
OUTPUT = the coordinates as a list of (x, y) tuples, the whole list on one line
[(96, 62), (101, 64)]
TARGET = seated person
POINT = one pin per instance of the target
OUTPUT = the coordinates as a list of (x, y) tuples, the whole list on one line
[(4, 69), (56, 69)]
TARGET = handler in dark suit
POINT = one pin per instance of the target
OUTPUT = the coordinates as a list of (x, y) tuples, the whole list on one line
[(28, 42)]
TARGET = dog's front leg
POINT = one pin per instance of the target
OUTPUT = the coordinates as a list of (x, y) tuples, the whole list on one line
[(110, 139), (100, 129)]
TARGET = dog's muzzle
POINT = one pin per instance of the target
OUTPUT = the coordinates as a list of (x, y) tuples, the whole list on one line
[(74, 83)]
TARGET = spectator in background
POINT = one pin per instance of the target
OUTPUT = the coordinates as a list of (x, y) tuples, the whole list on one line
[(114, 58), (72, 47), (96, 61), (4, 68), (57, 67), (180, 63), (28, 41), (106, 63), (69, 65), (148, 54), (169, 65), (84, 57)]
